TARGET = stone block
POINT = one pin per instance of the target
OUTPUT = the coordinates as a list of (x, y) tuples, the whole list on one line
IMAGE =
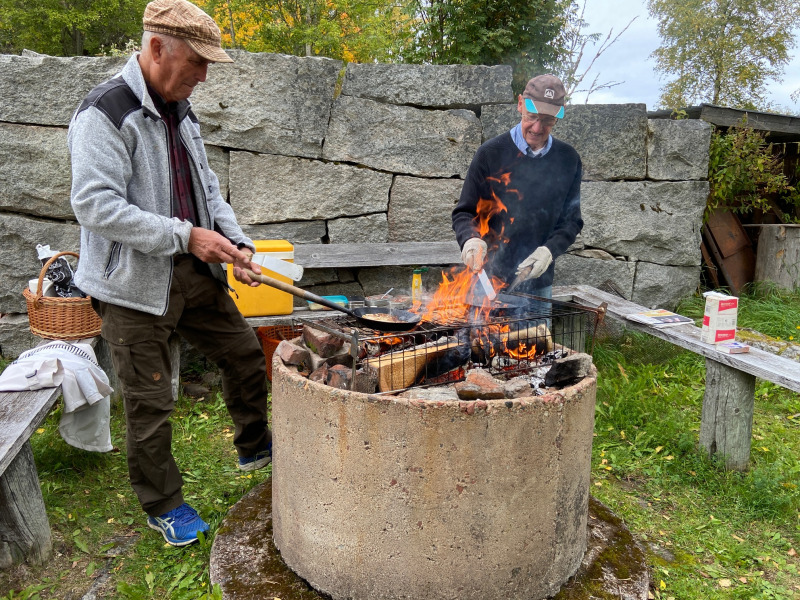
[(36, 177), (568, 370), (402, 139), (270, 103), (292, 354), (46, 90), (498, 118), (412, 197), (220, 162), (577, 269), (479, 385), (297, 232), (678, 150), (653, 222), (663, 286), (366, 229), (321, 342), (518, 387), (434, 86), (273, 189), (377, 280), (15, 335), (611, 139), (18, 260)]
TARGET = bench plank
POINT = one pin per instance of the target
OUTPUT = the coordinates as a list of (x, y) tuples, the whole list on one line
[(20, 414), (765, 365), (321, 256)]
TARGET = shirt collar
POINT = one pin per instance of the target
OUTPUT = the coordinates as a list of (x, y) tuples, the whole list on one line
[(519, 141)]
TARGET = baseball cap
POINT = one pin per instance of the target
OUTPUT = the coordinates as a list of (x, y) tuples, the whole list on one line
[(182, 19), (545, 95)]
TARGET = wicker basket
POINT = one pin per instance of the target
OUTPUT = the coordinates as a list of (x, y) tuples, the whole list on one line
[(60, 318), (270, 338)]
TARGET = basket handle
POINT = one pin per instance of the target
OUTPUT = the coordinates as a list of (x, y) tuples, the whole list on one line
[(44, 270)]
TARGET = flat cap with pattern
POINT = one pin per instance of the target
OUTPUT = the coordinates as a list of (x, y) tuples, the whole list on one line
[(182, 19)]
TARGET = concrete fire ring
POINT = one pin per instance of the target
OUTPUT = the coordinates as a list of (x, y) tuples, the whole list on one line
[(382, 497)]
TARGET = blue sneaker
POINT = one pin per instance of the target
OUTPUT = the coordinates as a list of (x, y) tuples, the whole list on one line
[(179, 526), (257, 461)]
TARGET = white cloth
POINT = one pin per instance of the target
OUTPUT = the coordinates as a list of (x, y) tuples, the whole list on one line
[(84, 386)]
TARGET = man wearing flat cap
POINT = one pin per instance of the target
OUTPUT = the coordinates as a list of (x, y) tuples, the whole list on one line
[(155, 234), (520, 203)]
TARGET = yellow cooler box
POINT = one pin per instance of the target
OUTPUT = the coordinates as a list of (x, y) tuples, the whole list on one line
[(264, 300)]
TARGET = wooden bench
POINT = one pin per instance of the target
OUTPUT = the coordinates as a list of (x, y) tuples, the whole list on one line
[(24, 527), (727, 416)]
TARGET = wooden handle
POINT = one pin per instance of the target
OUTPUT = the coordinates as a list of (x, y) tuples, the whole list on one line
[(296, 291)]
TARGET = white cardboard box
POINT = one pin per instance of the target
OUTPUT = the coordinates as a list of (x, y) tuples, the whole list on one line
[(719, 318)]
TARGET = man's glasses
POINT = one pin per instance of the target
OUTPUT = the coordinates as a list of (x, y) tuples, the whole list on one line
[(544, 120)]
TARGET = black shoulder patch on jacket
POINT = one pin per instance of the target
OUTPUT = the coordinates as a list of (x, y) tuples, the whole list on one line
[(114, 98)]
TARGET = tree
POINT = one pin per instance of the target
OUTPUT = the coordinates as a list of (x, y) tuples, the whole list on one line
[(722, 51), (575, 43), (350, 30), (520, 33), (69, 27)]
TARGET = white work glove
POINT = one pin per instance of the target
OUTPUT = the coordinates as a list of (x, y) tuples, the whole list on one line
[(538, 262), (474, 253)]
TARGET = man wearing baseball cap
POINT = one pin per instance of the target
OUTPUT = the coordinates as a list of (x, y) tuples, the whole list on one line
[(155, 234), (523, 186)]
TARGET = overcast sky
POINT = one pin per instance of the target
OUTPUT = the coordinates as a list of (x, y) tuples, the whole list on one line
[(629, 59)]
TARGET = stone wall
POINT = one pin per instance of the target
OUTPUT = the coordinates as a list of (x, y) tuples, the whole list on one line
[(314, 153)]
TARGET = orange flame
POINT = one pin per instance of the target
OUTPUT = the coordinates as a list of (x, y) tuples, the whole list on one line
[(455, 299)]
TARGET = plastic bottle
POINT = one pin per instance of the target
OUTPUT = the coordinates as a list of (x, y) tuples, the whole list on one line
[(416, 286)]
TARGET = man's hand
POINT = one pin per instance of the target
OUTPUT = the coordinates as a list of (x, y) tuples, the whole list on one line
[(473, 254), (538, 262), (211, 247)]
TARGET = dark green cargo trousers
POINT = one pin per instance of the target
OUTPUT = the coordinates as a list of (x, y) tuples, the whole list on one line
[(204, 314)]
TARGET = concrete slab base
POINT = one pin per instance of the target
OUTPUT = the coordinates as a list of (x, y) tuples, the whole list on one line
[(247, 566)]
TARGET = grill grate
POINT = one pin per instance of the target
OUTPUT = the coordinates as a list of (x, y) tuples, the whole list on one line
[(506, 342)]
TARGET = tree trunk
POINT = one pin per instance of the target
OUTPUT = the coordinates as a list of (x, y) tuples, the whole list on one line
[(778, 255)]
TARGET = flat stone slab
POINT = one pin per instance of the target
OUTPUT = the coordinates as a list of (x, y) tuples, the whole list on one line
[(247, 566)]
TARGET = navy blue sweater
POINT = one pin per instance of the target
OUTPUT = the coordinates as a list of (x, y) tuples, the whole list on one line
[(534, 202)]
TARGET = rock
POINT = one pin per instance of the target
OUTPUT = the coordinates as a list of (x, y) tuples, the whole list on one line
[(26, 99), (409, 196), (663, 286), (298, 232), (339, 377), (293, 354), (36, 171), (18, 260), (573, 269), (366, 229), (271, 103), (518, 387), (678, 150), (479, 384), (568, 370), (654, 222), (320, 375), (307, 189), (323, 343), (497, 119), (611, 139), (440, 86), (402, 139), (15, 335), (196, 391)]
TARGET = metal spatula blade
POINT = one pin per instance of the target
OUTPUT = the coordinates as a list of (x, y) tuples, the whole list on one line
[(487, 285)]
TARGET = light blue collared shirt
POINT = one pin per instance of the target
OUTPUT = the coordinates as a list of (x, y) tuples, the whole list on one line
[(519, 141)]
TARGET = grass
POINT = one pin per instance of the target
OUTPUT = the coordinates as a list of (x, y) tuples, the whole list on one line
[(709, 533)]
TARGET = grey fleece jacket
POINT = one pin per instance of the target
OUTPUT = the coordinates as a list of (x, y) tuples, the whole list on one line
[(121, 194)]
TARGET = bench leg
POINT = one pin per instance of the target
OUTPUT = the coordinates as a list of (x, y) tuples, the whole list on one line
[(24, 528), (727, 422)]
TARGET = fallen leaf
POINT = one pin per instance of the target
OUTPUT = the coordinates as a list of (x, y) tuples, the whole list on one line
[(743, 579), (724, 583), (737, 538), (792, 552)]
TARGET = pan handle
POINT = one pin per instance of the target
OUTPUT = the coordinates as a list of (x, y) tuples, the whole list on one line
[(296, 291)]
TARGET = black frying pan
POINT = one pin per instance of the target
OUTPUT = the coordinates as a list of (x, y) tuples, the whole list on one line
[(401, 320)]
